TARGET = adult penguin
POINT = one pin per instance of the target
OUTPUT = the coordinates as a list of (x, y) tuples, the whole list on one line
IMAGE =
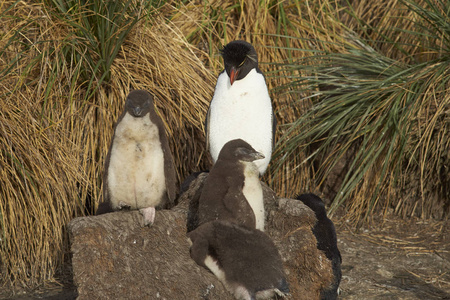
[(139, 170), (241, 106)]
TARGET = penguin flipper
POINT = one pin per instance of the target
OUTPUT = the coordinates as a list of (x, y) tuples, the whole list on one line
[(199, 248), (228, 197), (274, 128), (171, 178), (238, 207), (207, 127), (169, 165)]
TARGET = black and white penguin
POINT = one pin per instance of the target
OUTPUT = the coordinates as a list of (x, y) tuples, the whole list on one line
[(245, 260), (232, 190), (241, 106), (139, 170), (325, 234)]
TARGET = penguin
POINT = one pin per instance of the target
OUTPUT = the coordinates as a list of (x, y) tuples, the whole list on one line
[(139, 171), (245, 260), (325, 234), (232, 191), (241, 106)]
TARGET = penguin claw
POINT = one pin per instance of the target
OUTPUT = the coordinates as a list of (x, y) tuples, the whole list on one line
[(148, 216), (123, 205)]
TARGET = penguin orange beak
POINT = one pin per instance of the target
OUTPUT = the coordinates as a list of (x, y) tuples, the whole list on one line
[(233, 74)]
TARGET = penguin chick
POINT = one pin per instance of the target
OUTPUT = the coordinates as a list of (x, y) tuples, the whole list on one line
[(325, 234), (241, 106), (232, 190), (139, 170), (245, 260)]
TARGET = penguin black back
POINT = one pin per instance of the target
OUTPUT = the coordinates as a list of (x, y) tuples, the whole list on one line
[(245, 260), (325, 234)]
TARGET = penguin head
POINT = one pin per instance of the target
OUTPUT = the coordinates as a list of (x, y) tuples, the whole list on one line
[(314, 202), (239, 58), (239, 150), (139, 103)]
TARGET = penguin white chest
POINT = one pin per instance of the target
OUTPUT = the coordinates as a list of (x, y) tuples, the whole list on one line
[(136, 169), (252, 191), (242, 110)]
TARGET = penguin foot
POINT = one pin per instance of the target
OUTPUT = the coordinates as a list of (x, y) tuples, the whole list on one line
[(123, 205), (149, 216)]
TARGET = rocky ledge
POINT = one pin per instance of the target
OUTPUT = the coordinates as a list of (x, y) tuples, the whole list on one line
[(113, 257)]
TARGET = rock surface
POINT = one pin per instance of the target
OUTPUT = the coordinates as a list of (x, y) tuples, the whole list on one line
[(113, 257)]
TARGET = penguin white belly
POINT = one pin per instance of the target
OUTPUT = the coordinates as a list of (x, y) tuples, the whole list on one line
[(136, 170), (213, 266), (242, 110), (252, 191)]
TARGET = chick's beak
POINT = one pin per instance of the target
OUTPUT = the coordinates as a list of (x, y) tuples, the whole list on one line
[(137, 111), (258, 155)]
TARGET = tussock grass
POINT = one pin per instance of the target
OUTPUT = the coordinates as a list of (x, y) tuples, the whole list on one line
[(383, 117), (60, 99), (396, 28), (41, 166)]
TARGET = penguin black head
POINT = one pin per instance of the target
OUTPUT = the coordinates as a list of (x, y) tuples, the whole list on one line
[(324, 229), (239, 58), (139, 103), (239, 150), (315, 203)]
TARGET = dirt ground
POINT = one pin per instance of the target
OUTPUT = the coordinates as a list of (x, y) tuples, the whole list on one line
[(391, 258), (388, 258)]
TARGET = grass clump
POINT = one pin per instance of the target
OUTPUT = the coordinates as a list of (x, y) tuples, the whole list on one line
[(63, 86), (385, 119)]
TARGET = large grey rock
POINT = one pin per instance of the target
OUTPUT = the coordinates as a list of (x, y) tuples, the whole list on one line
[(113, 257)]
